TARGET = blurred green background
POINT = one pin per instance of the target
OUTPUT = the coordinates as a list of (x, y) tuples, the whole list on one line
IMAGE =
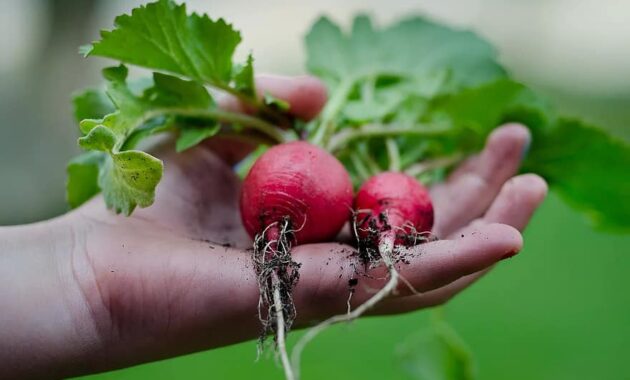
[(559, 310)]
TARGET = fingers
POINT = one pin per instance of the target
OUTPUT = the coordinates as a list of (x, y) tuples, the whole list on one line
[(518, 200), (470, 190), (323, 287), (442, 262), (516, 203), (306, 95)]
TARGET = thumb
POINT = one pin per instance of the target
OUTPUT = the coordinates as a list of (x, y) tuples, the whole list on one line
[(305, 95)]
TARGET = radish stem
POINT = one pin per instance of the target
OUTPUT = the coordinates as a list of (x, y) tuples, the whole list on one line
[(438, 163), (341, 139), (262, 126), (363, 152), (326, 127), (254, 102), (359, 165), (394, 154)]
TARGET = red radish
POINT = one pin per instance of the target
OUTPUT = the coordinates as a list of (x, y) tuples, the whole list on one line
[(393, 211), (294, 193), (299, 181), (394, 202)]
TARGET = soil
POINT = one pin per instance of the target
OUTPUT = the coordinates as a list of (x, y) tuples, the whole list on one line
[(273, 261)]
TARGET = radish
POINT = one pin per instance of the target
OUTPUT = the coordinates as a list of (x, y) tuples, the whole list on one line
[(294, 193), (301, 182), (395, 205), (393, 211)]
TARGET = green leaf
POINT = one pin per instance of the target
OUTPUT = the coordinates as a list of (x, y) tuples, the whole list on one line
[(582, 163), (148, 129), (161, 36), (191, 136), (436, 353), (588, 168), (121, 94), (415, 47), (91, 103), (244, 77), (243, 167), (480, 108), (475, 112), (100, 138), (387, 75), (82, 181), (170, 91), (128, 179)]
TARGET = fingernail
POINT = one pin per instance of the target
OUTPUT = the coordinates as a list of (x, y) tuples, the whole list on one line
[(509, 255)]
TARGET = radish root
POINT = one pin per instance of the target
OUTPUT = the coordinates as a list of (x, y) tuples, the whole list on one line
[(386, 248), (281, 329), (277, 275), (385, 253)]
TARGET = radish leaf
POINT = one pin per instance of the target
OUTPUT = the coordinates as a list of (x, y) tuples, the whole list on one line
[(587, 167), (412, 48), (128, 179), (161, 36), (244, 77), (91, 103), (191, 136), (82, 181)]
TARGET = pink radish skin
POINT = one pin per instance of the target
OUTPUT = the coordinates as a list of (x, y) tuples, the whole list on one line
[(300, 181), (400, 197), (295, 193)]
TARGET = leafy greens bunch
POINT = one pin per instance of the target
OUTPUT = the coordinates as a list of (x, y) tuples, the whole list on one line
[(416, 97)]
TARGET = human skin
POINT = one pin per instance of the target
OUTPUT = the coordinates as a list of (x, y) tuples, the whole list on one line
[(92, 291)]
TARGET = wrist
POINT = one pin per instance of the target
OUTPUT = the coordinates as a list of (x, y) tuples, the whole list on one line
[(47, 328)]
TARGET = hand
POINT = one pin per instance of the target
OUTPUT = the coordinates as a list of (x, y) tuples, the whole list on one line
[(92, 291)]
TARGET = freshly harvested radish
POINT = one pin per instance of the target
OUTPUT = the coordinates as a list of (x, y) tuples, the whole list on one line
[(294, 193), (396, 206), (393, 211), (301, 182)]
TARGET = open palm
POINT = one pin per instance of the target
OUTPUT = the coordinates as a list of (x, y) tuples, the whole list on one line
[(176, 277)]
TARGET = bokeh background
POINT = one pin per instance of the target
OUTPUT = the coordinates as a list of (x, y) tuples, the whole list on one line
[(560, 310)]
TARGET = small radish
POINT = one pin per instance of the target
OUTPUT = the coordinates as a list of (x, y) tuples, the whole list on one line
[(299, 181), (394, 205), (392, 211), (294, 193)]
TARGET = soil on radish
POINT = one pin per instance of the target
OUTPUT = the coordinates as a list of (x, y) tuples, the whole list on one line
[(276, 261), (367, 243)]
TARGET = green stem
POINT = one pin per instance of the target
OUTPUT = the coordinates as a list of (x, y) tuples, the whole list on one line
[(342, 139), (255, 103), (326, 127), (362, 170), (370, 163), (257, 124), (437, 163), (393, 153)]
